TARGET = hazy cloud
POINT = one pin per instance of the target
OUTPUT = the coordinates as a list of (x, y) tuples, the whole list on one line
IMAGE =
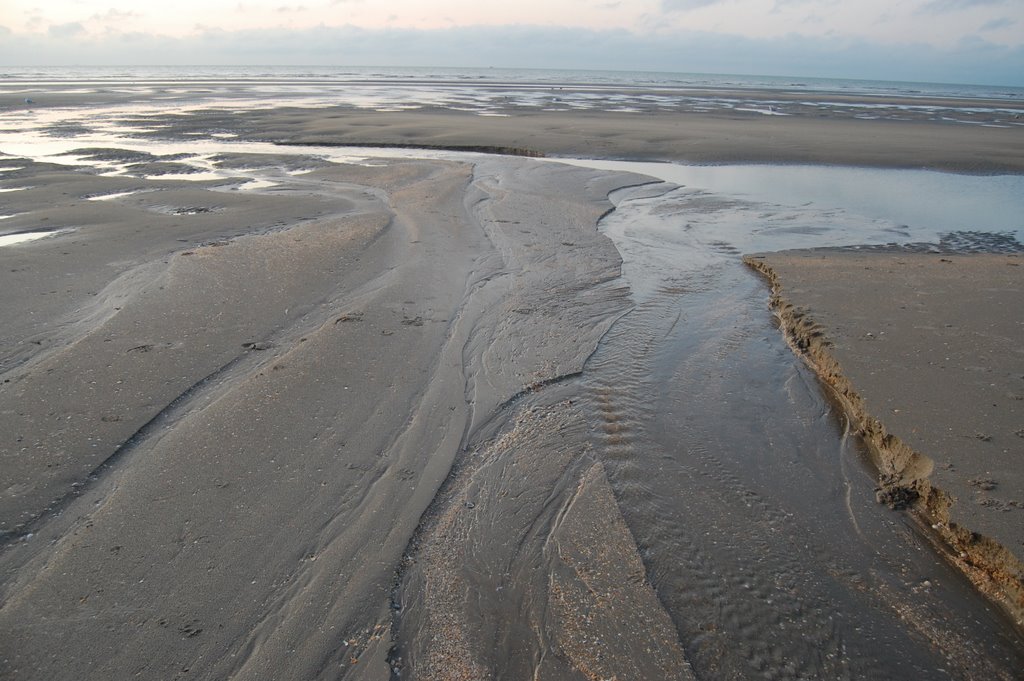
[(532, 46), (69, 30), (781, 6), (818, 4), (685, 5), (113, 14), (997, 24), (939, 6)]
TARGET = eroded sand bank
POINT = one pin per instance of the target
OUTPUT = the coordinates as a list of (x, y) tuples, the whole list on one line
[(924, 352)]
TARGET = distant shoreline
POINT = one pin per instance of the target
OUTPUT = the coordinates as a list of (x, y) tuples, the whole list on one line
[(620, 116), (498, 74)]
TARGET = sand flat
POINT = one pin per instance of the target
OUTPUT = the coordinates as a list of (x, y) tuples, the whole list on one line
[(688, 137), (215, 465), (230, 420)]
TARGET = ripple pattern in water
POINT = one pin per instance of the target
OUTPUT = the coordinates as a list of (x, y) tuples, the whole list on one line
[(754, 512)]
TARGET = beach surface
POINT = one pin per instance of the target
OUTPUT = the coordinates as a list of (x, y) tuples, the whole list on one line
[(691, 138), (337, 427), (217, 453)]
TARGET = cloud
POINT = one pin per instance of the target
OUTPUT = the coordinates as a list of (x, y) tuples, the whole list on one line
[(113, 14), (996, 24), (977, 61), (818, 4), (686, 5), (942, 6), (69, 30)]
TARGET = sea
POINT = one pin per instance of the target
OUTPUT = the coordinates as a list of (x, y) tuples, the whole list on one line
[(503, 91)]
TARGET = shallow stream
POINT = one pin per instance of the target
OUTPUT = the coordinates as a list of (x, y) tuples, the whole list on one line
[(753, 508)]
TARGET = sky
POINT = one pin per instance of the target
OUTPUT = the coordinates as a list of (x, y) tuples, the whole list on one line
[(959, 41)]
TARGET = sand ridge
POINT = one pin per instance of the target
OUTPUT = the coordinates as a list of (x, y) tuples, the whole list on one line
[(690, 137)]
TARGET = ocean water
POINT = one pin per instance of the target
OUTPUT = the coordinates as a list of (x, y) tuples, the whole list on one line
[(12, 76), (497, 91)]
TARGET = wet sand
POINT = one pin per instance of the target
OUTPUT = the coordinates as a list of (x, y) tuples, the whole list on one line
[(652, 135), (252, 434), (693, 138), (225, 415), (924, 352)]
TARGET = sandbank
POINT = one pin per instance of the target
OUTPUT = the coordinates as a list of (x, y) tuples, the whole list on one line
[(924, 352), (690, 138), (653, 136)]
